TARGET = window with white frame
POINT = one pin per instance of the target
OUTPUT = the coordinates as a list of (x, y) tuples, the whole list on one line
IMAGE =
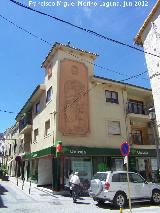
[(111, 96), (114, 128), (49, 94), (47, 127), (35, 134)]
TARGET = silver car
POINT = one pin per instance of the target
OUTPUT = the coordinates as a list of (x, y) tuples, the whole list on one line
[(112, 186)]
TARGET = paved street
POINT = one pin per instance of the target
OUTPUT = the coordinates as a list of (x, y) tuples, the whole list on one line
[(13, 199)]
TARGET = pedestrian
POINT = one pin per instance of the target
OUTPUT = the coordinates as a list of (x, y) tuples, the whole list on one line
[(71, 173), (75, 183)]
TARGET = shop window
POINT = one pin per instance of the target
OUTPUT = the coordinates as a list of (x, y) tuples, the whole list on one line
[(37, 108), (47, 127), (35, 134), (114, 128), (111, 96), (49, 94)]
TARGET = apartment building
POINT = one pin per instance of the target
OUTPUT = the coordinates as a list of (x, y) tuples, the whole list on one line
[(90, 115)]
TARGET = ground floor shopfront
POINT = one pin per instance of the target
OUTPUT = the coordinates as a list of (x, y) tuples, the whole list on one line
[(44, 168)]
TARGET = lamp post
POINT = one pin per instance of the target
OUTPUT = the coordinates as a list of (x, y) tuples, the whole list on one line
[(152, 117)]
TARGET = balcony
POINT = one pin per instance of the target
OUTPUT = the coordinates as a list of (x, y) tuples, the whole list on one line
[(144, 139), (25, 124), (137, 110)]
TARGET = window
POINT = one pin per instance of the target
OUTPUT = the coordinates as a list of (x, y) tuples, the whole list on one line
[(37, 107), (35, 134), (47, 127), (114, 128), (100, 176), (136, 107), (115, 178), (49, 71), (49, 94), (111, 96), (137, 137), (134, 178)]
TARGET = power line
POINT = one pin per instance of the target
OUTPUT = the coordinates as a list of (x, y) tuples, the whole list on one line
[(83, 29), (6, 111), (47, 42), (26, 31), (135, 76)]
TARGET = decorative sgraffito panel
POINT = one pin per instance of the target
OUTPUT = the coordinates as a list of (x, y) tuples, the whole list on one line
[(73, 98)]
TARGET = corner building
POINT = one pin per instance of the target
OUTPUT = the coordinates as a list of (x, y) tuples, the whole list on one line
[(91, 115)]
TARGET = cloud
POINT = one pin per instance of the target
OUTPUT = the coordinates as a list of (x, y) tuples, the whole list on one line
[(87, 12)]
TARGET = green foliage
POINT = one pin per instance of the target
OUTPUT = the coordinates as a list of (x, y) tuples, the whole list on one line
[(3, 170)]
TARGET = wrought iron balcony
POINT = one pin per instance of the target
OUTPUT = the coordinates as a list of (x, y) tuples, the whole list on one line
[(137, 108), (25, 123)]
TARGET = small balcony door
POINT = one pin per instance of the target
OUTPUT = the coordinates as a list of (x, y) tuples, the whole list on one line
[(137, 137)]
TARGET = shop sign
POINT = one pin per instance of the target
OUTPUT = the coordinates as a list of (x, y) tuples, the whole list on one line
[(78, 152), (139, 152)]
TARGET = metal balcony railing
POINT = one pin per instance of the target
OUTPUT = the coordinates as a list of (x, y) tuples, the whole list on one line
[(137, 108), (26, 120), (138, 139)]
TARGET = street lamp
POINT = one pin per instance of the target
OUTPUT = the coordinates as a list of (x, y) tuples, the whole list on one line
[(152, 117)]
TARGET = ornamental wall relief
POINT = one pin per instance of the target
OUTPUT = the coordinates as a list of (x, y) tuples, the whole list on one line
[(73, 98)]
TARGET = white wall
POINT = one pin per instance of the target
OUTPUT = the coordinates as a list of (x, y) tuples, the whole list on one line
[(44, 171), (151, 43)]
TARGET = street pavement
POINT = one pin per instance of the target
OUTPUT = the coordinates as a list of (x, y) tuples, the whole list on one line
[(41, 200)]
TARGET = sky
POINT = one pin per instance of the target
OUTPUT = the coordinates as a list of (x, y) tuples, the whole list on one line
[(21, 54)]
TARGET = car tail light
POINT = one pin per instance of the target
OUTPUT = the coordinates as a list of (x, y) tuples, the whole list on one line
[(107, 185)]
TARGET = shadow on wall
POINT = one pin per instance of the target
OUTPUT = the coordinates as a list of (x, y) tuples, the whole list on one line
[(2, 192)]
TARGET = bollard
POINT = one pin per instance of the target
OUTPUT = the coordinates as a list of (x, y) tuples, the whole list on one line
[(23, 183), (121, 209), (30, 187)]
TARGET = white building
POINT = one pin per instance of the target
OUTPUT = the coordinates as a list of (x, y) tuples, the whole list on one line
[(149, 37)]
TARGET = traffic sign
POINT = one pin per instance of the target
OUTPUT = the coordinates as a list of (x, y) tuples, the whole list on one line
[(125, 149)]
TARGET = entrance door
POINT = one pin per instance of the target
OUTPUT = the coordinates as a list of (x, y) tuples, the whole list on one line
[(83, 166)]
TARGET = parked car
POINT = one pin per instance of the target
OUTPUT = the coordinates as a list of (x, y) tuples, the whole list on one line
[(112, 186)]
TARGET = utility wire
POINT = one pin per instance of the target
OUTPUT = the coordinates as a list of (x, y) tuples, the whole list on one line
[(83, 29), (6, 111), (26, 31), (47, 42)]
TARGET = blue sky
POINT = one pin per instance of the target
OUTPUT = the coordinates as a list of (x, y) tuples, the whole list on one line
[(21, 55)]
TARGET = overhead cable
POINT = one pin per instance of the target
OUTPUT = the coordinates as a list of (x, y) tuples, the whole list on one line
[(83, 29)]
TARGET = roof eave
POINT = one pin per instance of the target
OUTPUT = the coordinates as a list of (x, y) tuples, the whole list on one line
[(137, 38), (57, 46), (40, 88)]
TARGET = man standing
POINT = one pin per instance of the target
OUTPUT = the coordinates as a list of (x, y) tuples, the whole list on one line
[(75, 182)]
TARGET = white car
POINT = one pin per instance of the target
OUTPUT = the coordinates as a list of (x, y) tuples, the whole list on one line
[(112, 186)]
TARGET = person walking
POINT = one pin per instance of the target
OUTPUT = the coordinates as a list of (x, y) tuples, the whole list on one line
[(75, 183), (71, 173)]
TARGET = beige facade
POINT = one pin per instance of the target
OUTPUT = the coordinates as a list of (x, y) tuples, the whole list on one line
[(91, 115)]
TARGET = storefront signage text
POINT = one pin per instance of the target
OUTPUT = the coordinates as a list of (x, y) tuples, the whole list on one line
[(79, 152), (142, 153)]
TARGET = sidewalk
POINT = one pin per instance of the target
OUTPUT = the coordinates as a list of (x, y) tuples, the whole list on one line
[(27, 187)]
